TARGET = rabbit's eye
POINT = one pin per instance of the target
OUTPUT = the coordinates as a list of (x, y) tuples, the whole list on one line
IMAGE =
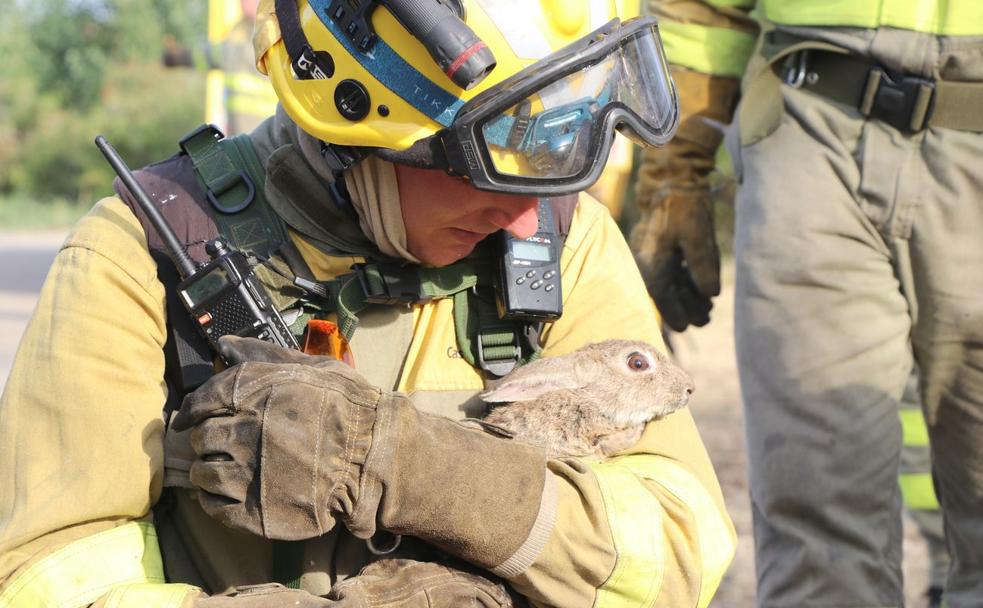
[(638, 362)]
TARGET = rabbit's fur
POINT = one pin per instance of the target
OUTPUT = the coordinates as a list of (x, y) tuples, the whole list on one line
[(593, 401)]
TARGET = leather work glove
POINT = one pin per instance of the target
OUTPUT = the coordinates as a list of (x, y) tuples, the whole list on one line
[(271, 595), (674, 242), (286, 448), (406, 583)]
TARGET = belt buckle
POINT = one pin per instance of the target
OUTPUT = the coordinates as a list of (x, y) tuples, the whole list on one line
[(904, 102)]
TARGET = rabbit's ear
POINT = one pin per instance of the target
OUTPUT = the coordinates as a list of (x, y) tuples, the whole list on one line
[(526, 387)]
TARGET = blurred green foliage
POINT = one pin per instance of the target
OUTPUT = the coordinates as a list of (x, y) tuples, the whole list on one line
[(73, 69)]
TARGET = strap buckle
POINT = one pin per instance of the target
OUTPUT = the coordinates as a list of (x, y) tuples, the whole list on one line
[(496, 353), (389, 284), (904, 102)]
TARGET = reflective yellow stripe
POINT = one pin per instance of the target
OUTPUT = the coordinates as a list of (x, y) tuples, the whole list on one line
[(914, 432), (149, 595), (635, 517), (918, 492), (716, 534), (81, 572), (943, 17), (711, 50)]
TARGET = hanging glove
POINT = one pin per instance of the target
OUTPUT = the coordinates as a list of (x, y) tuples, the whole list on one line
[(407, 583), (673, 241), (288, 444)]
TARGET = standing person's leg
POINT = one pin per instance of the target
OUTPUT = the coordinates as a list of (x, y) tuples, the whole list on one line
[(917, 488), (822, 335), (947, 278)]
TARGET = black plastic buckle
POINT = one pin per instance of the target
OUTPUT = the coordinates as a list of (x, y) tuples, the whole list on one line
[(398, 285), (498, 367), (905, 102), (354, 17), (313, 65)]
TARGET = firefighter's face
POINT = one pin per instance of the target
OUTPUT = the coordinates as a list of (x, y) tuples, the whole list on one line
[(445, 217)]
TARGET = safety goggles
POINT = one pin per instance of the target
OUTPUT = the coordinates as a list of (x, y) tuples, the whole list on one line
[(548, 129)]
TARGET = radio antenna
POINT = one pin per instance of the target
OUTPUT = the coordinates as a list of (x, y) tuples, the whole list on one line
[(179, 256)]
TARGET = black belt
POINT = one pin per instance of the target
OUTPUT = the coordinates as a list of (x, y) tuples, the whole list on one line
[(908, 103)]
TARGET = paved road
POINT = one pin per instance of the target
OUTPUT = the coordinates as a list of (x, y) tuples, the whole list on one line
[(24, 262)]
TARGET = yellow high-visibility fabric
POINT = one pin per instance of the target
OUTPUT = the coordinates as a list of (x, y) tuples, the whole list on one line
[(918, 491), (709, 36), (81, 410), (941, 17), (635, 580), (81, 572), (914, 432), (711, 50), (635, 515)]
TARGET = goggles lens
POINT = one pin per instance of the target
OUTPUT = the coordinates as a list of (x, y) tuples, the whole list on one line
[(557, 132)]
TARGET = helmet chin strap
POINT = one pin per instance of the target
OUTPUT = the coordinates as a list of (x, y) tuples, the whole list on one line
[(307, 63), (342, 158), (426, 153)]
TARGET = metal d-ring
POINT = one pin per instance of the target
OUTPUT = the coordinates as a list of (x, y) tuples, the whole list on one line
[(795, 75), (385, 550)]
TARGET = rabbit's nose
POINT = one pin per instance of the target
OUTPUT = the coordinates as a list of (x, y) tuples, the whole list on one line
[(688, 385)]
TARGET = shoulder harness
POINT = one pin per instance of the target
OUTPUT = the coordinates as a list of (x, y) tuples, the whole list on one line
[(215, 187)]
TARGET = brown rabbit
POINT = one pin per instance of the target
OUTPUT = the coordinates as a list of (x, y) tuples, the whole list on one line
[(593, 401)]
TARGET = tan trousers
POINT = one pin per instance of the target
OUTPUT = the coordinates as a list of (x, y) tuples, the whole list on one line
[(853, 241)]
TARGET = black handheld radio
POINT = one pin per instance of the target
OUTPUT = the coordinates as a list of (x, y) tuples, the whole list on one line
[(529, 277), (223, 296)]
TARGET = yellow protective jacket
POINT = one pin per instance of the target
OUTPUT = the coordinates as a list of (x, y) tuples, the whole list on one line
[(81, 437), (717, 36)]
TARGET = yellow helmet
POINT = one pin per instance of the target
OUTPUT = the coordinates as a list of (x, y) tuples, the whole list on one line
[(351, 73)]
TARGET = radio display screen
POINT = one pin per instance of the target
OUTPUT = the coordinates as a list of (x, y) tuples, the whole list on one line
[(213, 282), (536, 252)]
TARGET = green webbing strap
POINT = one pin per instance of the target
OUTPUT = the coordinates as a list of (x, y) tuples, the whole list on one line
[(349, 302), (234, 179), (484, 340), (392, 284), (449, 280)]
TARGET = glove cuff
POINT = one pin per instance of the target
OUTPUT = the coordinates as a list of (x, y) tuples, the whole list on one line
[(482, 498), (542, 529)]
